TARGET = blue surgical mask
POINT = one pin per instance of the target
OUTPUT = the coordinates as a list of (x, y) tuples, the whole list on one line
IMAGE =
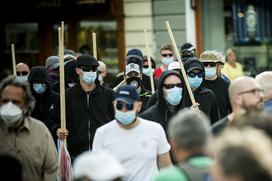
[(167, 61), (125, 118), (146, 71), (22, 78), (174, 95), (39, 88), (195, 82), (89, 77), (210, 72)]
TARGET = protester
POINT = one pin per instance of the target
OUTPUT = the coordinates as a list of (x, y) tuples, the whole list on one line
[(167, 56), (245, 96), (22, 71), (52, 66), (88, 106), (102, 70), (189, 149), (187, 50), (242, 155), (101, 166), (220, 65), (46, 99), (216, 83), (205, 97), (133, 77), (24, 137), (140, 145), (232, 68), (265, 81), (146, 78)]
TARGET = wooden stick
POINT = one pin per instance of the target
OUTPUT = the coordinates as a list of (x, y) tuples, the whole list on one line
[(149, 62), (180, 62), (61, 74), (94, 46), (13, 59), (121, 83)]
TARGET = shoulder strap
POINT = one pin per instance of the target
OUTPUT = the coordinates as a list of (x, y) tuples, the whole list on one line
[(194, 173)]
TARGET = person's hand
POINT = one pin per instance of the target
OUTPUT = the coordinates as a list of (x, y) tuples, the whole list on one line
[(195, 107), (62, 134)]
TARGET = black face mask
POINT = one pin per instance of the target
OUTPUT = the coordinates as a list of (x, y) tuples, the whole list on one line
[(134, 82)]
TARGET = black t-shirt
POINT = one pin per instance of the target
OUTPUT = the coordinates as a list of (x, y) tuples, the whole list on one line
[(220, 88)]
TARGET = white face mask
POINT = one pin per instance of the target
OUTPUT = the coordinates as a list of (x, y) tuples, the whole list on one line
[(11, 114)]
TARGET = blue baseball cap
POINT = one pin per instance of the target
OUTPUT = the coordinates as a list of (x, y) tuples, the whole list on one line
[(127, 93)]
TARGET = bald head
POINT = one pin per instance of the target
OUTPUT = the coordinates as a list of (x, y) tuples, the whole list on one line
[(242, 84), (22, 67), (265, 80), (102, 68)]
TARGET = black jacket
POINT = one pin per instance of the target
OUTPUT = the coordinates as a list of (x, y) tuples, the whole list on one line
[(45, 102), (160, 112), (85, 112)]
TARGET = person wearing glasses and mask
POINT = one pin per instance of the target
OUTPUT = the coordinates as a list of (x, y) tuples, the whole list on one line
[(46, 99), (214, 82), (22, 71), (245, 95), (167, 57), (170, 99), (140, 145), (88, 106), (205, 97)]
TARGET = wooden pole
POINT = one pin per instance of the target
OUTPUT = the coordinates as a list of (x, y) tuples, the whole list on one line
[(13, 59), (94, 46), (61, 74), (149, 62), (180, 62)]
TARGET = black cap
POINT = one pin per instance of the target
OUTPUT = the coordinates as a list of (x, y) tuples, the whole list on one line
[(187, 50), (86, 60), (136, 53)]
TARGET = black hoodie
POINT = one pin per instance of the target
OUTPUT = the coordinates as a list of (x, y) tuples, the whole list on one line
[(45, 102), (160, 112), (205, 97)]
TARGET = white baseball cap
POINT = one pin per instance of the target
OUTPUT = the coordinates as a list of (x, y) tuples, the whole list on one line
[(132, 67), (100, 166), (174, 66)]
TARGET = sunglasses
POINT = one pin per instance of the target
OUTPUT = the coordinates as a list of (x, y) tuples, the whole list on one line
[(87, 69), (22, 73), (212, 64), (170, 86), (146, 66), (121, 104), (167, 54), (193, 74)]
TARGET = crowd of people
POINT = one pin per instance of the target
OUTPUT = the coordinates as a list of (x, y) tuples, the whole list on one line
[(122, 131)]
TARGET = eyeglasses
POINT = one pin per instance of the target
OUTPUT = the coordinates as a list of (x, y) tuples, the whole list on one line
[(22, 73), (170, 86), (167, 54), (212, 64), (255, 91), (121, 104), (193, 74), (146, 66), (87, 69)]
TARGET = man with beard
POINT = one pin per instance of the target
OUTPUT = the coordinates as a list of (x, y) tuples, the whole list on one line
[(133, 77), (245, 95)]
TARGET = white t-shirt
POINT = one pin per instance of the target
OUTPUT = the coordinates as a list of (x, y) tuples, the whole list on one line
[(137, 148)]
